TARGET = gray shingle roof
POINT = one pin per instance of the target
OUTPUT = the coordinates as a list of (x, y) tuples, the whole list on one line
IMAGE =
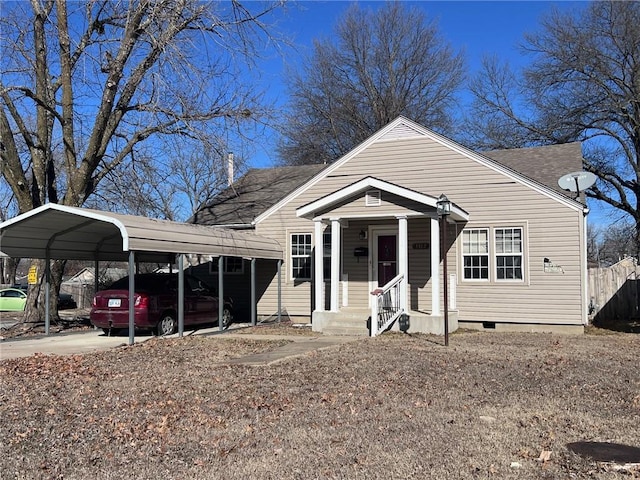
[(257, 191), (544, 164)]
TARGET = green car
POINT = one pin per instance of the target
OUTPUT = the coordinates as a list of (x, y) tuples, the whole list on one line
[(12, 300)]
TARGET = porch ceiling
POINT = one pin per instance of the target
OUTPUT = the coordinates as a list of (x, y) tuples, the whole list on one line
[(311, 210)]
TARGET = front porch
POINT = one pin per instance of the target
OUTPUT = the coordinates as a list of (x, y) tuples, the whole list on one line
[(357, 321), (362, 283)]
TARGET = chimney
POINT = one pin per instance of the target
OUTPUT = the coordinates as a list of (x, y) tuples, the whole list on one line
[(230, 168)]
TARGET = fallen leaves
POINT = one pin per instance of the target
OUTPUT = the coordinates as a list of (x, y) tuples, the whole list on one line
[(168, 408)]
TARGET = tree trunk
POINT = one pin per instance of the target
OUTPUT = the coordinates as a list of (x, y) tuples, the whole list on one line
[(34, 311)]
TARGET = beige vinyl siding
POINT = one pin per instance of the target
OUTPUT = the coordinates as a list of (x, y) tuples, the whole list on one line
[(296, 298), (357, 268), (419, 231), (492, 199)]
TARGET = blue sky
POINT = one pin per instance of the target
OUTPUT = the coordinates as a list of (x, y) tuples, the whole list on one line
[(478, 28)]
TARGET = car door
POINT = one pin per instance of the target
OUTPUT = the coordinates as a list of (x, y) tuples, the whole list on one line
[(12, 300)]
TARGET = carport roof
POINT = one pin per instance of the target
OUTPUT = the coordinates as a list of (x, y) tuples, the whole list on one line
[(74, 233)]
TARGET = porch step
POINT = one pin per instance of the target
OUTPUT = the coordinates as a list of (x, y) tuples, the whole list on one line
[(352, 322)]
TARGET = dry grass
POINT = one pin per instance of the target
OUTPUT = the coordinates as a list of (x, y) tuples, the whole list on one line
[(397, 406)]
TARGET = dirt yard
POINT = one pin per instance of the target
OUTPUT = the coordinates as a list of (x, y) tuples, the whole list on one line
[(492, 405)]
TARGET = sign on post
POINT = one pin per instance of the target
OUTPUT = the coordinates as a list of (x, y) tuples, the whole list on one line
[(32, 278)]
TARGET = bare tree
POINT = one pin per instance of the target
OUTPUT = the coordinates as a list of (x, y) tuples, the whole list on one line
[(93, 82), (382, 64), (583, 84)]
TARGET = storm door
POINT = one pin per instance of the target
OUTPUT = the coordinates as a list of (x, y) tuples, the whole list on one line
[(385, 256)]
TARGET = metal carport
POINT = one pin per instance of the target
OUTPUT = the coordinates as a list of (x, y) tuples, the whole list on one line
[(57, 232)]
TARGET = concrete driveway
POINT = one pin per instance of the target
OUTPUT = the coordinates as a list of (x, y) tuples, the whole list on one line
[(95, 340), (60, 344)]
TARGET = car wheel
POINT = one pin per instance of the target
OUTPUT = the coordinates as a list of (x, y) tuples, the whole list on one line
[(226, 318), (166, 325), (111, 331)]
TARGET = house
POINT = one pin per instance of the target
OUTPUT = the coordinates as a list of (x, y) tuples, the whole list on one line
[(362, 237), (81, 286)]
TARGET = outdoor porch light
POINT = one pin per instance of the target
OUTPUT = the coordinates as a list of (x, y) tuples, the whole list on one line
[(444, 208), (443, 205), (362, 235)]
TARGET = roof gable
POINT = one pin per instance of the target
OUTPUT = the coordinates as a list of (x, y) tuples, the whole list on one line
[(366, 183), (402, 129)]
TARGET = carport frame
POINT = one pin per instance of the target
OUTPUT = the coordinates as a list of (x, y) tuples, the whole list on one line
[(29, 235)]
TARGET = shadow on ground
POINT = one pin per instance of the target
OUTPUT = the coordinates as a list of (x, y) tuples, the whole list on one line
[(606, 452)]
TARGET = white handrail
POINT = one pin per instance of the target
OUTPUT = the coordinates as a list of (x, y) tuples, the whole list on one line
[(386, 307)]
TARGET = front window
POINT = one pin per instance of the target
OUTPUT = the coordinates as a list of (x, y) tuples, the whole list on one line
[(508, 253), (475, 249), (232, 265), (301, 256)]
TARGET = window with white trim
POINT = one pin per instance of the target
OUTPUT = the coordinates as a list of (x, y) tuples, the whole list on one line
[(300, 253), (475, 252), (508, 253), (230, 265)]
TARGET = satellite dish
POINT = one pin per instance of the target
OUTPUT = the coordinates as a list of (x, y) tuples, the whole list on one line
[(577, 181)]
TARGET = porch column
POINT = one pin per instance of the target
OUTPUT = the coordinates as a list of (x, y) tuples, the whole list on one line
[(335, 262), (319, 260), (403, 259), (435, 267)]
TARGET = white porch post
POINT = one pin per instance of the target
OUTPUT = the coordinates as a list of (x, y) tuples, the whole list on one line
[(335, 262), (435, 266), (403, 259), (319, 260)]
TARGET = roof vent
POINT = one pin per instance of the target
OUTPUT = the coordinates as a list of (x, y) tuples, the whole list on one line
[(372, 198)]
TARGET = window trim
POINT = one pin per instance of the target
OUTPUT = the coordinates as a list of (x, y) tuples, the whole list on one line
[(488, 255), (511, 254), (493, 255), (290, 255)]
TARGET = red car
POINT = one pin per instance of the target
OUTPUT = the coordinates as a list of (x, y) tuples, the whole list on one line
[(155, 307)]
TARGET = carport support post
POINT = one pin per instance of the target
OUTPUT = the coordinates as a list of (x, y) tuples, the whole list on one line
[(132, 289), (220, 291), (47, 294), (96, 285), (253, 291), (279, 290), (180, 294)]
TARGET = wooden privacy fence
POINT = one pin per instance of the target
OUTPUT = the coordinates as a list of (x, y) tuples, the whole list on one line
[(615, 291)]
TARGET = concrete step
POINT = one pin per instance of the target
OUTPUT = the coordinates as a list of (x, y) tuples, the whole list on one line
[(350, 321), (348, 331)]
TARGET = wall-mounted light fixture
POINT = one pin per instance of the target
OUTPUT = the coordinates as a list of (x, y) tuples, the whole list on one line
[(362, 235)]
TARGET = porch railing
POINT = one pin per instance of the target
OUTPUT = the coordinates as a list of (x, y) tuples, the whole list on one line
[(386, 307)]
